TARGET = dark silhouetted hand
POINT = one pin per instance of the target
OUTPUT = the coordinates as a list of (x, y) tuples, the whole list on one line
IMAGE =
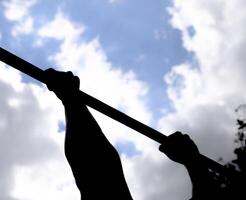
[(95, 163), (64, 84), (180, 148)]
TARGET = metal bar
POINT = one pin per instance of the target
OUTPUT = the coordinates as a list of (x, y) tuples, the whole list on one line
[(94, 103), (38, 74), (22, 65)]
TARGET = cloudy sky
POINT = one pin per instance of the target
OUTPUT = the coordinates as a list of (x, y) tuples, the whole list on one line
[(174, 65)]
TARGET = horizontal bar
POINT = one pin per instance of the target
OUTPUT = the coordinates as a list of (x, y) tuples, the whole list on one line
[(94, 103)]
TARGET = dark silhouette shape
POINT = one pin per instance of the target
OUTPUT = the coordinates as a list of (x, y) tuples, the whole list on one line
[(207, 184), (241, 124), (240, 152), (240, 162), (96, 164), (92, 102)]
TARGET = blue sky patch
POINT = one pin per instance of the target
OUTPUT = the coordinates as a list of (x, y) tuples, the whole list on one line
[(127, 148)]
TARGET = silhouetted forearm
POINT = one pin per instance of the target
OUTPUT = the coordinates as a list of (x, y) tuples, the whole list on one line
[(204, 186), (94, 161)]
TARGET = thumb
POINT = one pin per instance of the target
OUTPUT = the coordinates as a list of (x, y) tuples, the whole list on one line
[(163, 148)]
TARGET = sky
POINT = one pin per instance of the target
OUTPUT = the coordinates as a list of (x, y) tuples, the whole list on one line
[(173, 65)]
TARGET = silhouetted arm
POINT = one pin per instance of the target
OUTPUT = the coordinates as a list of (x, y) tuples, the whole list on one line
[(204, 185), (94, 161), (180, 148)]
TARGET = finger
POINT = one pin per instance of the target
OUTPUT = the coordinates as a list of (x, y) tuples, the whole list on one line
[(72, 81), (52, 77), (167, 145), (162, 148), (76, 82), (49, 74), (49, 70), (175, 136), (186, 137), (178, 133), (69, 74)]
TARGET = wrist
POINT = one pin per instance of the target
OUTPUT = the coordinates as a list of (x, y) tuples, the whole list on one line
[(193, 161), (71, 99)]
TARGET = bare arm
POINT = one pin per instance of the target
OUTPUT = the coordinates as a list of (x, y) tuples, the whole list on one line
[(94, 161), (180, 148)]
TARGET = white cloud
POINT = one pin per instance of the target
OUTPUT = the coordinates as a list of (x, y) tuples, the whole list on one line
[(70, 32), (204, 97), (16, 9), (217, 78), (19, 12), (107, 83), (205, 91), (51, 181), (23, 27), (147, 172), (98, 76), (42, 152), (31, 149)]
